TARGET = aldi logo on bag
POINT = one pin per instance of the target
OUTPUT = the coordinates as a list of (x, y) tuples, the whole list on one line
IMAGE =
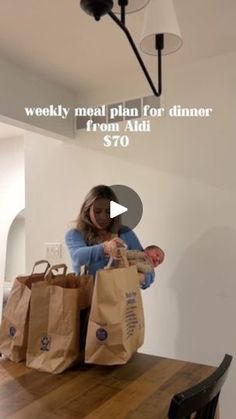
[(101, 334), (12, 331), (45, 343)]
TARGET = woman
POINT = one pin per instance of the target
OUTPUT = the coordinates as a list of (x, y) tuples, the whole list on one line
[(97, 236)]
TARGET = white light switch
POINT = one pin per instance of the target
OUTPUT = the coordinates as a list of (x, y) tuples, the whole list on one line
[(53, 250)]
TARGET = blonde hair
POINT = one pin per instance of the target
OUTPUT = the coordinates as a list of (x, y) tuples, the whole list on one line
[(84, 223)]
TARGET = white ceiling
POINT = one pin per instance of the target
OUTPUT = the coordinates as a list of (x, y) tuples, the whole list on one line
[(58, 40)]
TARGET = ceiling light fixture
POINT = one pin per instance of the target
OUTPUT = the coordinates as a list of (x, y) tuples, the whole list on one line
[(161, 34)]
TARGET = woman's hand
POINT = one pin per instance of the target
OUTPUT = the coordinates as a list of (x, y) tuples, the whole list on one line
[(110, 247)]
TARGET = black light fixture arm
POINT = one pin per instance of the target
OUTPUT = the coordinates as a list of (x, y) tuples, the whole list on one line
[(159, 47), (122, 4), (100, 8)]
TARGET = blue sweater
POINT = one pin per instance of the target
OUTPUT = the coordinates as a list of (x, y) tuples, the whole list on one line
[(93, 256)]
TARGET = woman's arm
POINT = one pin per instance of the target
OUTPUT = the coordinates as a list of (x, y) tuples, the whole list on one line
[(80, 253), (130, 239)]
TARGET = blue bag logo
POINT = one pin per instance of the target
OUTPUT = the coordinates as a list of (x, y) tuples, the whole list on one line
[(12, 331), (101, 334), (45, 343)]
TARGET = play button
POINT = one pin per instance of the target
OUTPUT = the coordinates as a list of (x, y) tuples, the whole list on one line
[(116, 209), (128, 206)]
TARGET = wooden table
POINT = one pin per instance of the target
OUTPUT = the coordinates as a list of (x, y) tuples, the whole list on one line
[(141, 389)]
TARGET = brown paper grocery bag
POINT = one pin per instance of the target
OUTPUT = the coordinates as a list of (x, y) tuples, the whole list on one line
[(14, 327), (116, 322), (59, 314)]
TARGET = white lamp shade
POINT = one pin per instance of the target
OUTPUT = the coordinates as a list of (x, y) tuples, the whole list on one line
[(160, 18), (132, 6)]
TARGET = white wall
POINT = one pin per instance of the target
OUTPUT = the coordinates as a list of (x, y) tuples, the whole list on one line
[(15, 257), (12, 193), (184, 172)]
